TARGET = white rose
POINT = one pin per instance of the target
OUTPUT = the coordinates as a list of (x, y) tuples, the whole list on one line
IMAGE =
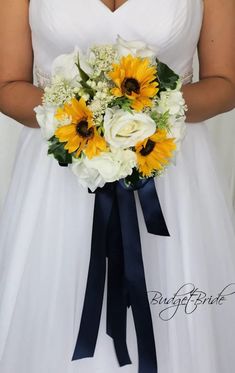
[(124, 129), (113, 165), (87, 176), (65, 67), (135, 48), (107, 167), (46, 119)]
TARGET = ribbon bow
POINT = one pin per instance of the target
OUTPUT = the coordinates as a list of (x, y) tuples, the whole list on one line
[(116, 236)]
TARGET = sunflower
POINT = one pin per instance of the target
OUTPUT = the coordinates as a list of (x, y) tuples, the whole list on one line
[(154, 152), (135, 79), (81, 134)]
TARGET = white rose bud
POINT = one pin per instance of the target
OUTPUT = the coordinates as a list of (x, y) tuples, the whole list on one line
[(135, 48), (65, 67)]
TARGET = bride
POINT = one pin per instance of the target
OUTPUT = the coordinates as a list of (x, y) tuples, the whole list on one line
[(46, 223)]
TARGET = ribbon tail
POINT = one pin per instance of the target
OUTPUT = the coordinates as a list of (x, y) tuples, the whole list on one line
[(91, 314), (116, 299), (152, 211), (134, 272)]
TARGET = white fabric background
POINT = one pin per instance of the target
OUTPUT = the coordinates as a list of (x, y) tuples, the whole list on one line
[(222, 129)]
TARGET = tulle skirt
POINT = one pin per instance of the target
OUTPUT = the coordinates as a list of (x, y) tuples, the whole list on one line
[(45, 238)]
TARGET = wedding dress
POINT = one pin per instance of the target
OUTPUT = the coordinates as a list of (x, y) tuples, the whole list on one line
[(46, 223)]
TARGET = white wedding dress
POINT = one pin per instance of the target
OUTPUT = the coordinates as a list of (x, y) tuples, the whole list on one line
[(46, 223)]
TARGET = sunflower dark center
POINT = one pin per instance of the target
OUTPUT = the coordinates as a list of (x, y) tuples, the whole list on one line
[(130, 85), (148, 148), (83, 130)]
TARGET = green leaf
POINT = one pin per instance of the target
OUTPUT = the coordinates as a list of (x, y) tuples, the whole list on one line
[(59, 152), (167, 78), (52, 138), (83, 74), (77, 96), (123, 102), (133, 179), (161, 120), (88, 89)]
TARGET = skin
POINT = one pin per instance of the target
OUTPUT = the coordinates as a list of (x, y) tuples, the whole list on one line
[(112, 4), (212, 95)]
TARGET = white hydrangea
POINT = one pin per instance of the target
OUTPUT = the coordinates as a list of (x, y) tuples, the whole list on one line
[(173, 102)]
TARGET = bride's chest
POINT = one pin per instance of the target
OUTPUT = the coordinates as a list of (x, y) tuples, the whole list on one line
[(172, 27), (113, 4), (77, 21)]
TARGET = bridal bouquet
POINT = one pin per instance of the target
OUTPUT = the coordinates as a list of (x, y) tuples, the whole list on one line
[(113, 113)]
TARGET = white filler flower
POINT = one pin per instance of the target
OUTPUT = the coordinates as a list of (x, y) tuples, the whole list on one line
[(123, 129)]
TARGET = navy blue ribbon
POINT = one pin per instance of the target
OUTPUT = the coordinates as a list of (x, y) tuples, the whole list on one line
[(116, 236)]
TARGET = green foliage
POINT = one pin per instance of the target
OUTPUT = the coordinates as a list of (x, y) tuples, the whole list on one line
[(161, 120), (123, 102), (59, 152), (100, 130), (87, 89), (77, 96), (85, 77), (167, 78), (133, 179)]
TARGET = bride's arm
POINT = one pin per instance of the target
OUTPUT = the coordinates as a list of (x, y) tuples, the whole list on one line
[(18, 96), (215, 92)]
